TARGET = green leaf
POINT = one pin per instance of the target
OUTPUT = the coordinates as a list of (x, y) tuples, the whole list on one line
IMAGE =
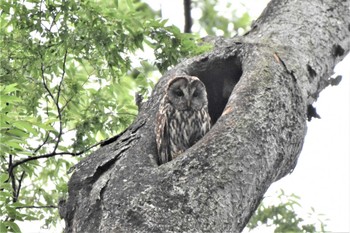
[(9, 99), (12, 225), (26, 126), (3, 177), (15, 144), (283, 216), (9, 88), (16, 133)]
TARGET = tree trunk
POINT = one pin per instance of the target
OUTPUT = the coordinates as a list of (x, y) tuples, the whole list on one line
[(259, 89)]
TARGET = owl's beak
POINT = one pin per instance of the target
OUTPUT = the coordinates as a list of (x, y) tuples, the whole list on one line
[(188, 103)]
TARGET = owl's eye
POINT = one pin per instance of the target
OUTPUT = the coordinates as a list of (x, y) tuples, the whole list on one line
[(178, 92)]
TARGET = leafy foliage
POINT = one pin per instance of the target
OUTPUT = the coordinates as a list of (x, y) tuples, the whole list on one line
[(226, 23), (68, 80), (283, 217)]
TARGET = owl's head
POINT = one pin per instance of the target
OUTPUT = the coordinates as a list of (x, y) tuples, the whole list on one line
[(187, 93)]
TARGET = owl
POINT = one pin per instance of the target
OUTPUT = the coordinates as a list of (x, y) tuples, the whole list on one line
[(182, 118)]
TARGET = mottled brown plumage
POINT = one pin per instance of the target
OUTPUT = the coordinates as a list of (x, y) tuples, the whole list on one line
[(182, 118)]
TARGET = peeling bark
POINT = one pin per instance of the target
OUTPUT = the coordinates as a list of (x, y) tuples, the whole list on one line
[(259, 88)]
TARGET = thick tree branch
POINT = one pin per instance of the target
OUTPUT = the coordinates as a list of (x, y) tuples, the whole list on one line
[(259, 87)]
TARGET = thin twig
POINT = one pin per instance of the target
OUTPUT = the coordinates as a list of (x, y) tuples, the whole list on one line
[(42, 144), (67, 102), (44, 81), (48, 133), (56, 100), (62, 76)]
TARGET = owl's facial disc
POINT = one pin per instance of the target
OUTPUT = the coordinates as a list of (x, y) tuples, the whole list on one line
[(187, 94)]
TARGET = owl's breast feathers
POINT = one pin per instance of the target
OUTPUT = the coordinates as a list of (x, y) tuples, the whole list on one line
[(186, 128)]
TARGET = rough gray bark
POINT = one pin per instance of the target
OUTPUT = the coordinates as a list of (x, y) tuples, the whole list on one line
[(275, 72)]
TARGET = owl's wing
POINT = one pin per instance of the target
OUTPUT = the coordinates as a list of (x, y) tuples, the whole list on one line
[(195, 138), (162, 137)]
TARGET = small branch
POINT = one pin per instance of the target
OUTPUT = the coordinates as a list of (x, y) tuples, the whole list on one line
[(12, 178), (56, 100), (62, 76), (42, 144), (59, 110), (67, 102), (52, 154), (44, 82), (37, 207), (47, 135), (20, 184)]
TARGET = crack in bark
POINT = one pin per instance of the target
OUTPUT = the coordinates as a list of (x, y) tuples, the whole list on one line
[(123, 146)]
